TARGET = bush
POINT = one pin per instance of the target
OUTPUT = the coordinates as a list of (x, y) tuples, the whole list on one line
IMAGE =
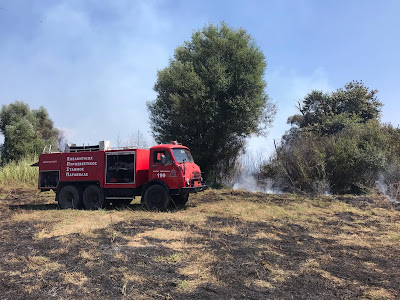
[(298, 165), (350, 161), (355, 157)]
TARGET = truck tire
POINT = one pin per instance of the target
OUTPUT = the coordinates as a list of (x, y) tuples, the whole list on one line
[(156, 198), (93, 197), (69, 197), (180, 200)]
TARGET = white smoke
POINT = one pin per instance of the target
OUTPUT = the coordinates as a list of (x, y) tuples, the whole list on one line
[(383, 187), (249, 183), (248, 166)]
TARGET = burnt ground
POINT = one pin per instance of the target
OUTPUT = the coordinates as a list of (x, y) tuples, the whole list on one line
[(223, 245)]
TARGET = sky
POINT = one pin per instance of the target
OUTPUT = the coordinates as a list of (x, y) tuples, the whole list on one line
[(93, 63)]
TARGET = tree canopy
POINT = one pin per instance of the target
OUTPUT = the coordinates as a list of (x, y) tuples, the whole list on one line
[(25, 131), (329, 113), (212, 96)]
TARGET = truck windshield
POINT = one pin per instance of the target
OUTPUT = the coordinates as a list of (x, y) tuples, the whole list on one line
[(182, 155)]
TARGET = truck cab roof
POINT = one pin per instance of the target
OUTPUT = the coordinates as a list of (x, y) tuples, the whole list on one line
[(173, 145)]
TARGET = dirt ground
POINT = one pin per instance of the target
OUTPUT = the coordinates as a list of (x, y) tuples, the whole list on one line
[(223, 245)]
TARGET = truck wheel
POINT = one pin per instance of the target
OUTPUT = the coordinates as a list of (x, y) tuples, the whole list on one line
[(156, 198), (180, 200), (93, 197), (69, 197)]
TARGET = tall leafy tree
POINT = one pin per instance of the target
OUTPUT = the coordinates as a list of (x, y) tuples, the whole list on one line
[(25, 131), (212, 96)]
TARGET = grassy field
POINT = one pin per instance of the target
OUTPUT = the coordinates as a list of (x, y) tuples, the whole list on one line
[(224, 245)]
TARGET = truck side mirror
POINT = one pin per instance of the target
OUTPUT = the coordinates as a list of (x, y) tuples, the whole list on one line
[(163, 159)]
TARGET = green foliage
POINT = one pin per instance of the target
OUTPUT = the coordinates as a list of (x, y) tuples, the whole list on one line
[(25, 131), (348, 162), (337, 145), (330, 113), (356, 157), (44, 124), (212, 96), (20, 139)]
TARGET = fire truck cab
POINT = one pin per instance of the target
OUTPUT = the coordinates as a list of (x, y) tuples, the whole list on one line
[(93, 176)]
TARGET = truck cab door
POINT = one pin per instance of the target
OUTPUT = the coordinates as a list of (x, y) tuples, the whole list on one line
[(162, 167)]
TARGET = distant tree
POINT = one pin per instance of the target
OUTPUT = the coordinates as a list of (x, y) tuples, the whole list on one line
[(13, 113), (20, 139), (330, 113), (212, 97), (137, 139), (44, 124), (25, 131)]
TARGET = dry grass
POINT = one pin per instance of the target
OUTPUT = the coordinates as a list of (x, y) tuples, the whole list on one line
[(378, 294), (225, 244)]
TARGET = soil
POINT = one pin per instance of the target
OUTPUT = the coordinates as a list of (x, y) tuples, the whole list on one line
[(221, 254)]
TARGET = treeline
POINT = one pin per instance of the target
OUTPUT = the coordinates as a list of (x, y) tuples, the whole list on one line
[(337, 144)]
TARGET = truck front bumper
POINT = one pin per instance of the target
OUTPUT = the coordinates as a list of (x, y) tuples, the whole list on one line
[(194, 189)]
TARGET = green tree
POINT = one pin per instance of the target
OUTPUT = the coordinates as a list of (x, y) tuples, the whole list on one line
[(44, 124), (212, 96), (20, 139), (25, 131), (330, 113), (337, 143)]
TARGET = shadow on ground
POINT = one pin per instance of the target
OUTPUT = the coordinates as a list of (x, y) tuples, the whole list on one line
[(286, 262), (216, 258), (54, 206)]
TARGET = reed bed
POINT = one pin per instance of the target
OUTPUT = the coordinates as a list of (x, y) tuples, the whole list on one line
[(19, 174)]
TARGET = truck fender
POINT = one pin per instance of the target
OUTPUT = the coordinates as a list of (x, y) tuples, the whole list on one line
[(155, 181)]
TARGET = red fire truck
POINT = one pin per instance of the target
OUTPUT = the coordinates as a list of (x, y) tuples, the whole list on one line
[(93, 176)]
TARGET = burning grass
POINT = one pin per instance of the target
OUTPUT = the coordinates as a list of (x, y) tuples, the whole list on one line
[(224, 245)]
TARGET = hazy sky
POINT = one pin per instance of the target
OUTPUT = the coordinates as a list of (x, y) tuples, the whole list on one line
[(93, 64)]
